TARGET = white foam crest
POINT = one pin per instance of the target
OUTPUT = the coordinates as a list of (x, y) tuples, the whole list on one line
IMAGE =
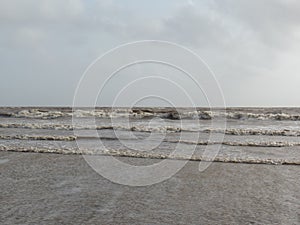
[(151, 155), (35, 137), (158, 129)]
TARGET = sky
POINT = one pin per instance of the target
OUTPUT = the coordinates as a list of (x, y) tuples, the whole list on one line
[(252, 47)]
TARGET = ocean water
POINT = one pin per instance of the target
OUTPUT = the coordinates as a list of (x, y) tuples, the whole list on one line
[(241, 135)]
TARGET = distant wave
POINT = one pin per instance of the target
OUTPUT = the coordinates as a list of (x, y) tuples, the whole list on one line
[(256, 131), (146, 113), (162, 129), (38, 126), (55, 137), (246, 143), (138, 128)]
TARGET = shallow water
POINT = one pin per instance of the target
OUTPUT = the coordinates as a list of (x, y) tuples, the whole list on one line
[(63, 189)]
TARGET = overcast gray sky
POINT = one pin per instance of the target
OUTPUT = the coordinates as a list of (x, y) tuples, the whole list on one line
[(253, 47)]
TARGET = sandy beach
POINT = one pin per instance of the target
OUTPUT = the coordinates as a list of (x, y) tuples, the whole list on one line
[(39, 188)]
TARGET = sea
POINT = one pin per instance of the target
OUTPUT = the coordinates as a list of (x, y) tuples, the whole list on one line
[(235, 135)]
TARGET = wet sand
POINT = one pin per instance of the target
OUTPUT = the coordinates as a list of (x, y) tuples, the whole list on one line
[(40, 188)]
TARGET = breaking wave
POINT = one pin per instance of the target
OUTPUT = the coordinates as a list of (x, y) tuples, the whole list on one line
[(228, 143), (152, 155), (162, 129), (34, 137), (50, 130)]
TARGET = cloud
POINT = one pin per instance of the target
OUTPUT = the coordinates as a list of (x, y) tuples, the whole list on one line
[(245, 42)]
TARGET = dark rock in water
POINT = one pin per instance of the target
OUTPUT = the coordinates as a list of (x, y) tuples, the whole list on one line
[(133, 129), (139, 111), (172, 116), (5, 115), (236, 116), (204, 115)]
